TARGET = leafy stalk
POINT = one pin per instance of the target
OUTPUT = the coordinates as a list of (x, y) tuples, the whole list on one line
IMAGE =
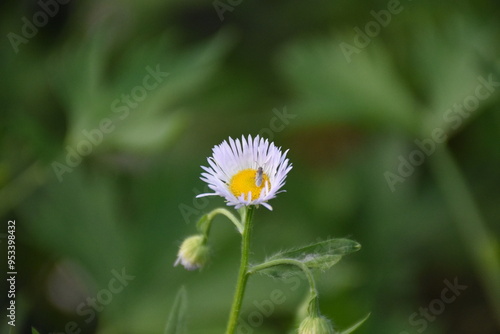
[(176, 323)]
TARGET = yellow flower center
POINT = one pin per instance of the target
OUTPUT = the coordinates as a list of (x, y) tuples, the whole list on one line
[(245, 181)]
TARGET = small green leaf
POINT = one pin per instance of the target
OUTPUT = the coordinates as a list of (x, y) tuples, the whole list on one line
[(322, 262), (203, 224), (34, 331), (327, 247), (320, 255), (356, 325), (176, 323)]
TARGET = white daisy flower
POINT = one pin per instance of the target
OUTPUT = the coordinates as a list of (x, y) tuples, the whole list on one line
[(247, 172)]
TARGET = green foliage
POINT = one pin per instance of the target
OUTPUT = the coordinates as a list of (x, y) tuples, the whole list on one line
[(176, 323), (355, 326), (320, 255), (203, 224)]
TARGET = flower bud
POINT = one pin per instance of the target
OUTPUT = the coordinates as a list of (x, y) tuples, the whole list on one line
[(316, 325), (193, 253)]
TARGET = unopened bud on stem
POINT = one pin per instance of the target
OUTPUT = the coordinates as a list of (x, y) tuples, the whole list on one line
[(193, 253), (316, 325)]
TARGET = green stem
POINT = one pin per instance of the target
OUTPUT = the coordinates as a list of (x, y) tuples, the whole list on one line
[(243, 273), (229, 215), (313, 292), (293, 262), (477, 238), (205, 222)]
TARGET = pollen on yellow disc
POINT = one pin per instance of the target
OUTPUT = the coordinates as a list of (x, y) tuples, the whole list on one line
[(244, 182)]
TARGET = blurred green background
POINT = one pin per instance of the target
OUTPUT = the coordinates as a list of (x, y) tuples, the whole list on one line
[(276, 68)]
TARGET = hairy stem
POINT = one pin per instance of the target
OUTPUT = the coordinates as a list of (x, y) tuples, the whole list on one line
[(229, 215), (313, 292), (279, 262), (243, 273)]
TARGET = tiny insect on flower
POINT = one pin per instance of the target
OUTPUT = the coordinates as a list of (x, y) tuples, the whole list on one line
[(258, 177)]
